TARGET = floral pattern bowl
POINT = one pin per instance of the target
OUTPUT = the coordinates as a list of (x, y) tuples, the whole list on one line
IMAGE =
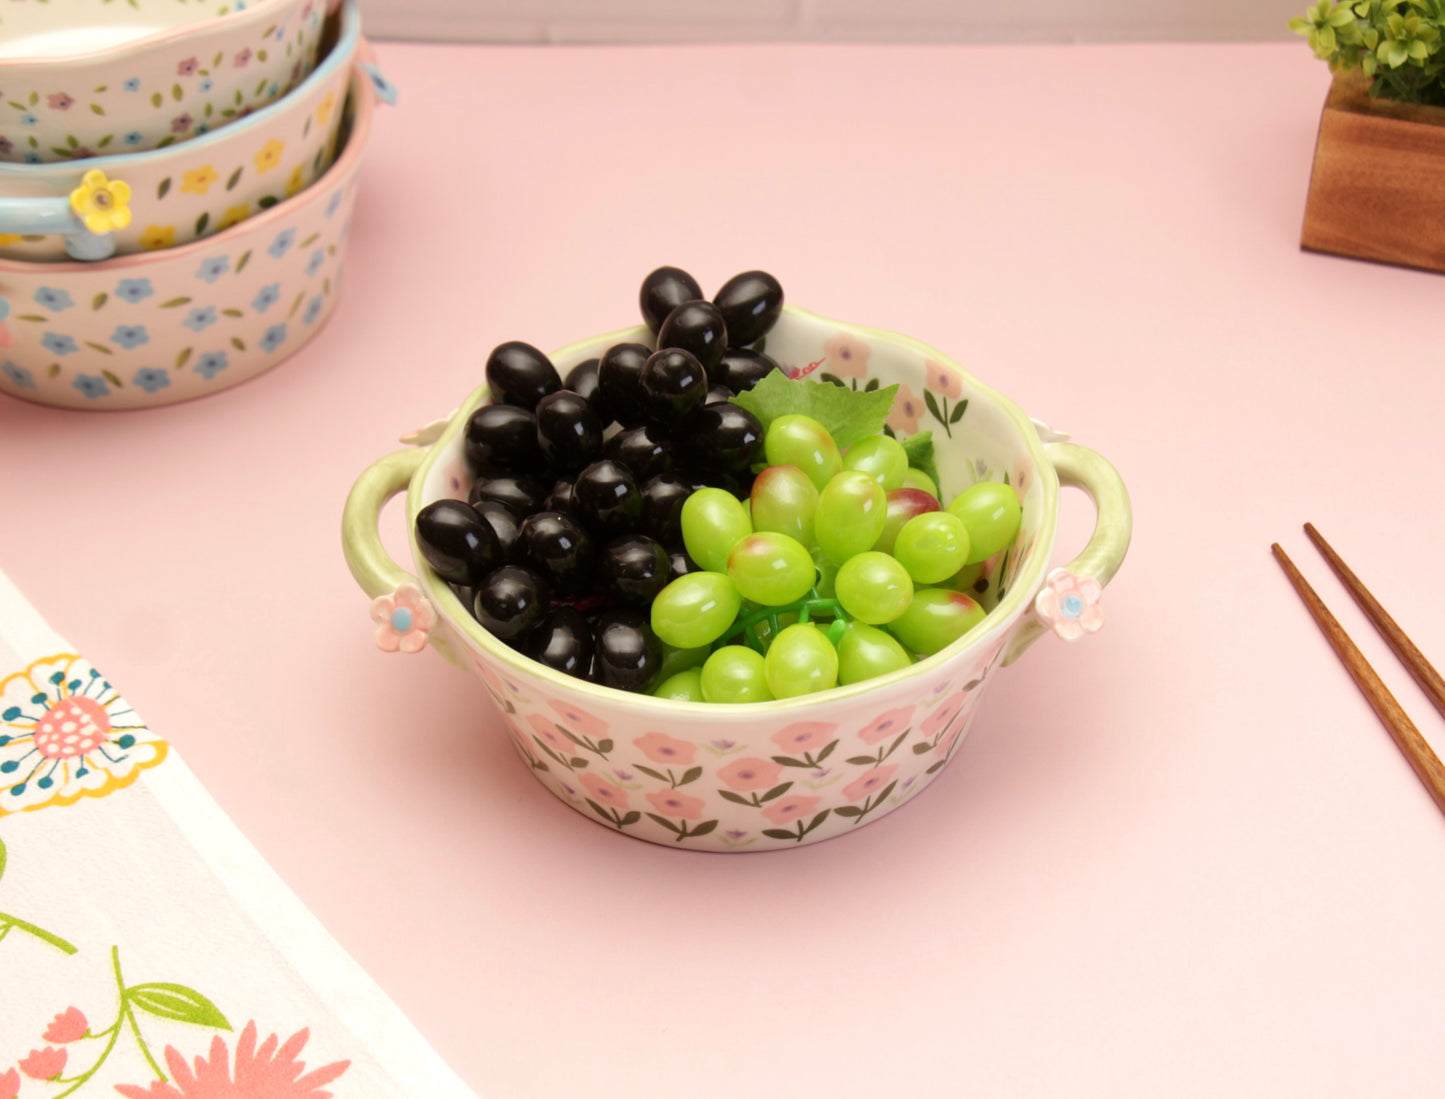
[(767, 775), (134, 202), (86, 78), (162, 327)]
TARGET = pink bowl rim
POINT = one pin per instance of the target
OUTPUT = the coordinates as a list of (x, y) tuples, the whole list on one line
[(360, 91)]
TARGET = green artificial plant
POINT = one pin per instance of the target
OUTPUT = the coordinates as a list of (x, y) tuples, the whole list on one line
[(1396, 43)]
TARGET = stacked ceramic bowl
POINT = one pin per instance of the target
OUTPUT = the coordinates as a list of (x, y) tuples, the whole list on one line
[(176, 183)]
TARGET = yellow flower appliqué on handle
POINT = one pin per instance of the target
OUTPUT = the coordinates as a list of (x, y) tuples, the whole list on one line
[(102, 204)]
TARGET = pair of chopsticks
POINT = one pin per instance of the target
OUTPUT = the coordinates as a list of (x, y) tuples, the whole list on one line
[(1425, 762)]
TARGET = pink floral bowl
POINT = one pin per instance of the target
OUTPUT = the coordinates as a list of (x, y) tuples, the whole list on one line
[(767, 775), (162, 327)]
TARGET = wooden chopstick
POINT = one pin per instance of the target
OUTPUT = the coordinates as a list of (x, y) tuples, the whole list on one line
[(1417, 752), (1414, 660)]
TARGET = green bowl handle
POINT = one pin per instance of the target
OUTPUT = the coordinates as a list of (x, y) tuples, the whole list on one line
[(1080, 467), (368, 560)]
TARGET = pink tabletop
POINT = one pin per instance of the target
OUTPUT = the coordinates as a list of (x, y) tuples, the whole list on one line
[(1180, 858)]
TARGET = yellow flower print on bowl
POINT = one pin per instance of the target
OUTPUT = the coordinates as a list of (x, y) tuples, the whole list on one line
[(102, 204), (234, 216), (158, 236), (270, 155), (67, 734), (199, 180), (297, 183), (323, 112)]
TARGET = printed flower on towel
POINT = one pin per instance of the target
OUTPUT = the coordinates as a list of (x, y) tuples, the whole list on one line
[(264, 1072), (65, 734)]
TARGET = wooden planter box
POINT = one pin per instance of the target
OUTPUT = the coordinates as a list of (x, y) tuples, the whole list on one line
[(1377, 190)]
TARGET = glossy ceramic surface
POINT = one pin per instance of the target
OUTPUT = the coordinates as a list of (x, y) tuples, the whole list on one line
[(84, 78), (167, 326), (171, 196), (774, 774)]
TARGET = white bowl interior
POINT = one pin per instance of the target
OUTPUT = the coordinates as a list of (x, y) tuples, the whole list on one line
[(77, 27)]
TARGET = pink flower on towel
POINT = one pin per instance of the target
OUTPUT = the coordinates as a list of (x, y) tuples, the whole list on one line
[(260, 1073), (70, 1025), (404, 618)]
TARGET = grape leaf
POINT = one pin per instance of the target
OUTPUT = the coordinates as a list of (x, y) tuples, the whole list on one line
[(919, 449), (850, 415)]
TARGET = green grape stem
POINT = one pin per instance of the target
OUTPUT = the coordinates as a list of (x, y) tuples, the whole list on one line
[(811, 605)]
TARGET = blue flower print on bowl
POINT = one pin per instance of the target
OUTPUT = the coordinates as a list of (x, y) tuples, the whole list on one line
[(385, 89), (313, 265), (132, 85), (333, 204), (135, 137), (200, 318), (92, 386), (207, 85), (313, 310), (282, 244), (32, 158), (275, 336), (58, 344), (131, 336), (53, 299), (28, 119), (19, 377), (4, 308), (213, 268), (150, 379), (266, 297), (134, 290), (211, 363)]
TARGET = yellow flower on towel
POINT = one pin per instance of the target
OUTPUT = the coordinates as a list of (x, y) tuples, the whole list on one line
[(158, 236), (198, 182), (103, 204), (270, 155)]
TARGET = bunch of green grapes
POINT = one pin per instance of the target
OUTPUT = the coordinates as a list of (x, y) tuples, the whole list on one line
[(838, 568)]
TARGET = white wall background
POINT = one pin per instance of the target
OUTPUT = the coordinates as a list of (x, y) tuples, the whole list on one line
[(578, 21)]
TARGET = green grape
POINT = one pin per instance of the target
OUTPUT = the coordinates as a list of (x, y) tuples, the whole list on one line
[(874, 588), (771, 569), (735, 674), (881, 457), (965, 579), (852, 509), (676, 660), (783, 499), (903, 505), (935, 619), (991, 512), (867, 651), (695, 609), (795, 440), (916, 478), (685, 686), (713, 522), (800, 661), (932, 547)]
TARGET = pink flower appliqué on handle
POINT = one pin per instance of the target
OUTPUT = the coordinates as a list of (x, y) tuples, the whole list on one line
[(404, 619), (1069, 604)]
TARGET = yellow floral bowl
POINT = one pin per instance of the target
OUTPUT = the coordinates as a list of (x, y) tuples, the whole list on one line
[(134, 202), (82, 79), (161, 327)]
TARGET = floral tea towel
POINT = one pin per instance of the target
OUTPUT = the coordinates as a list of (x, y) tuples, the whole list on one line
[(146, 949)]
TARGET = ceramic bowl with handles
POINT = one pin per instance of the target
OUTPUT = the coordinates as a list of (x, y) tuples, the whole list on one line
[(161, 327), (135, 202), (767, 775), (83, 78)]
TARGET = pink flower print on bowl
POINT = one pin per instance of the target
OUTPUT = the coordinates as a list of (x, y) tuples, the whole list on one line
[(661, 748), (907, 410), (788, 809), (59, 102), (886, 725), (605, 792), (549, 732), (404, 619), (745, 775), (44, 1064), (68, 1026), (1069, 604), (265, 1071), (674, 803), (579, 720), (803, 736), (188, 67), (242, 59), (846, 356), (942, 380), (872, 779), (943, 715)]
